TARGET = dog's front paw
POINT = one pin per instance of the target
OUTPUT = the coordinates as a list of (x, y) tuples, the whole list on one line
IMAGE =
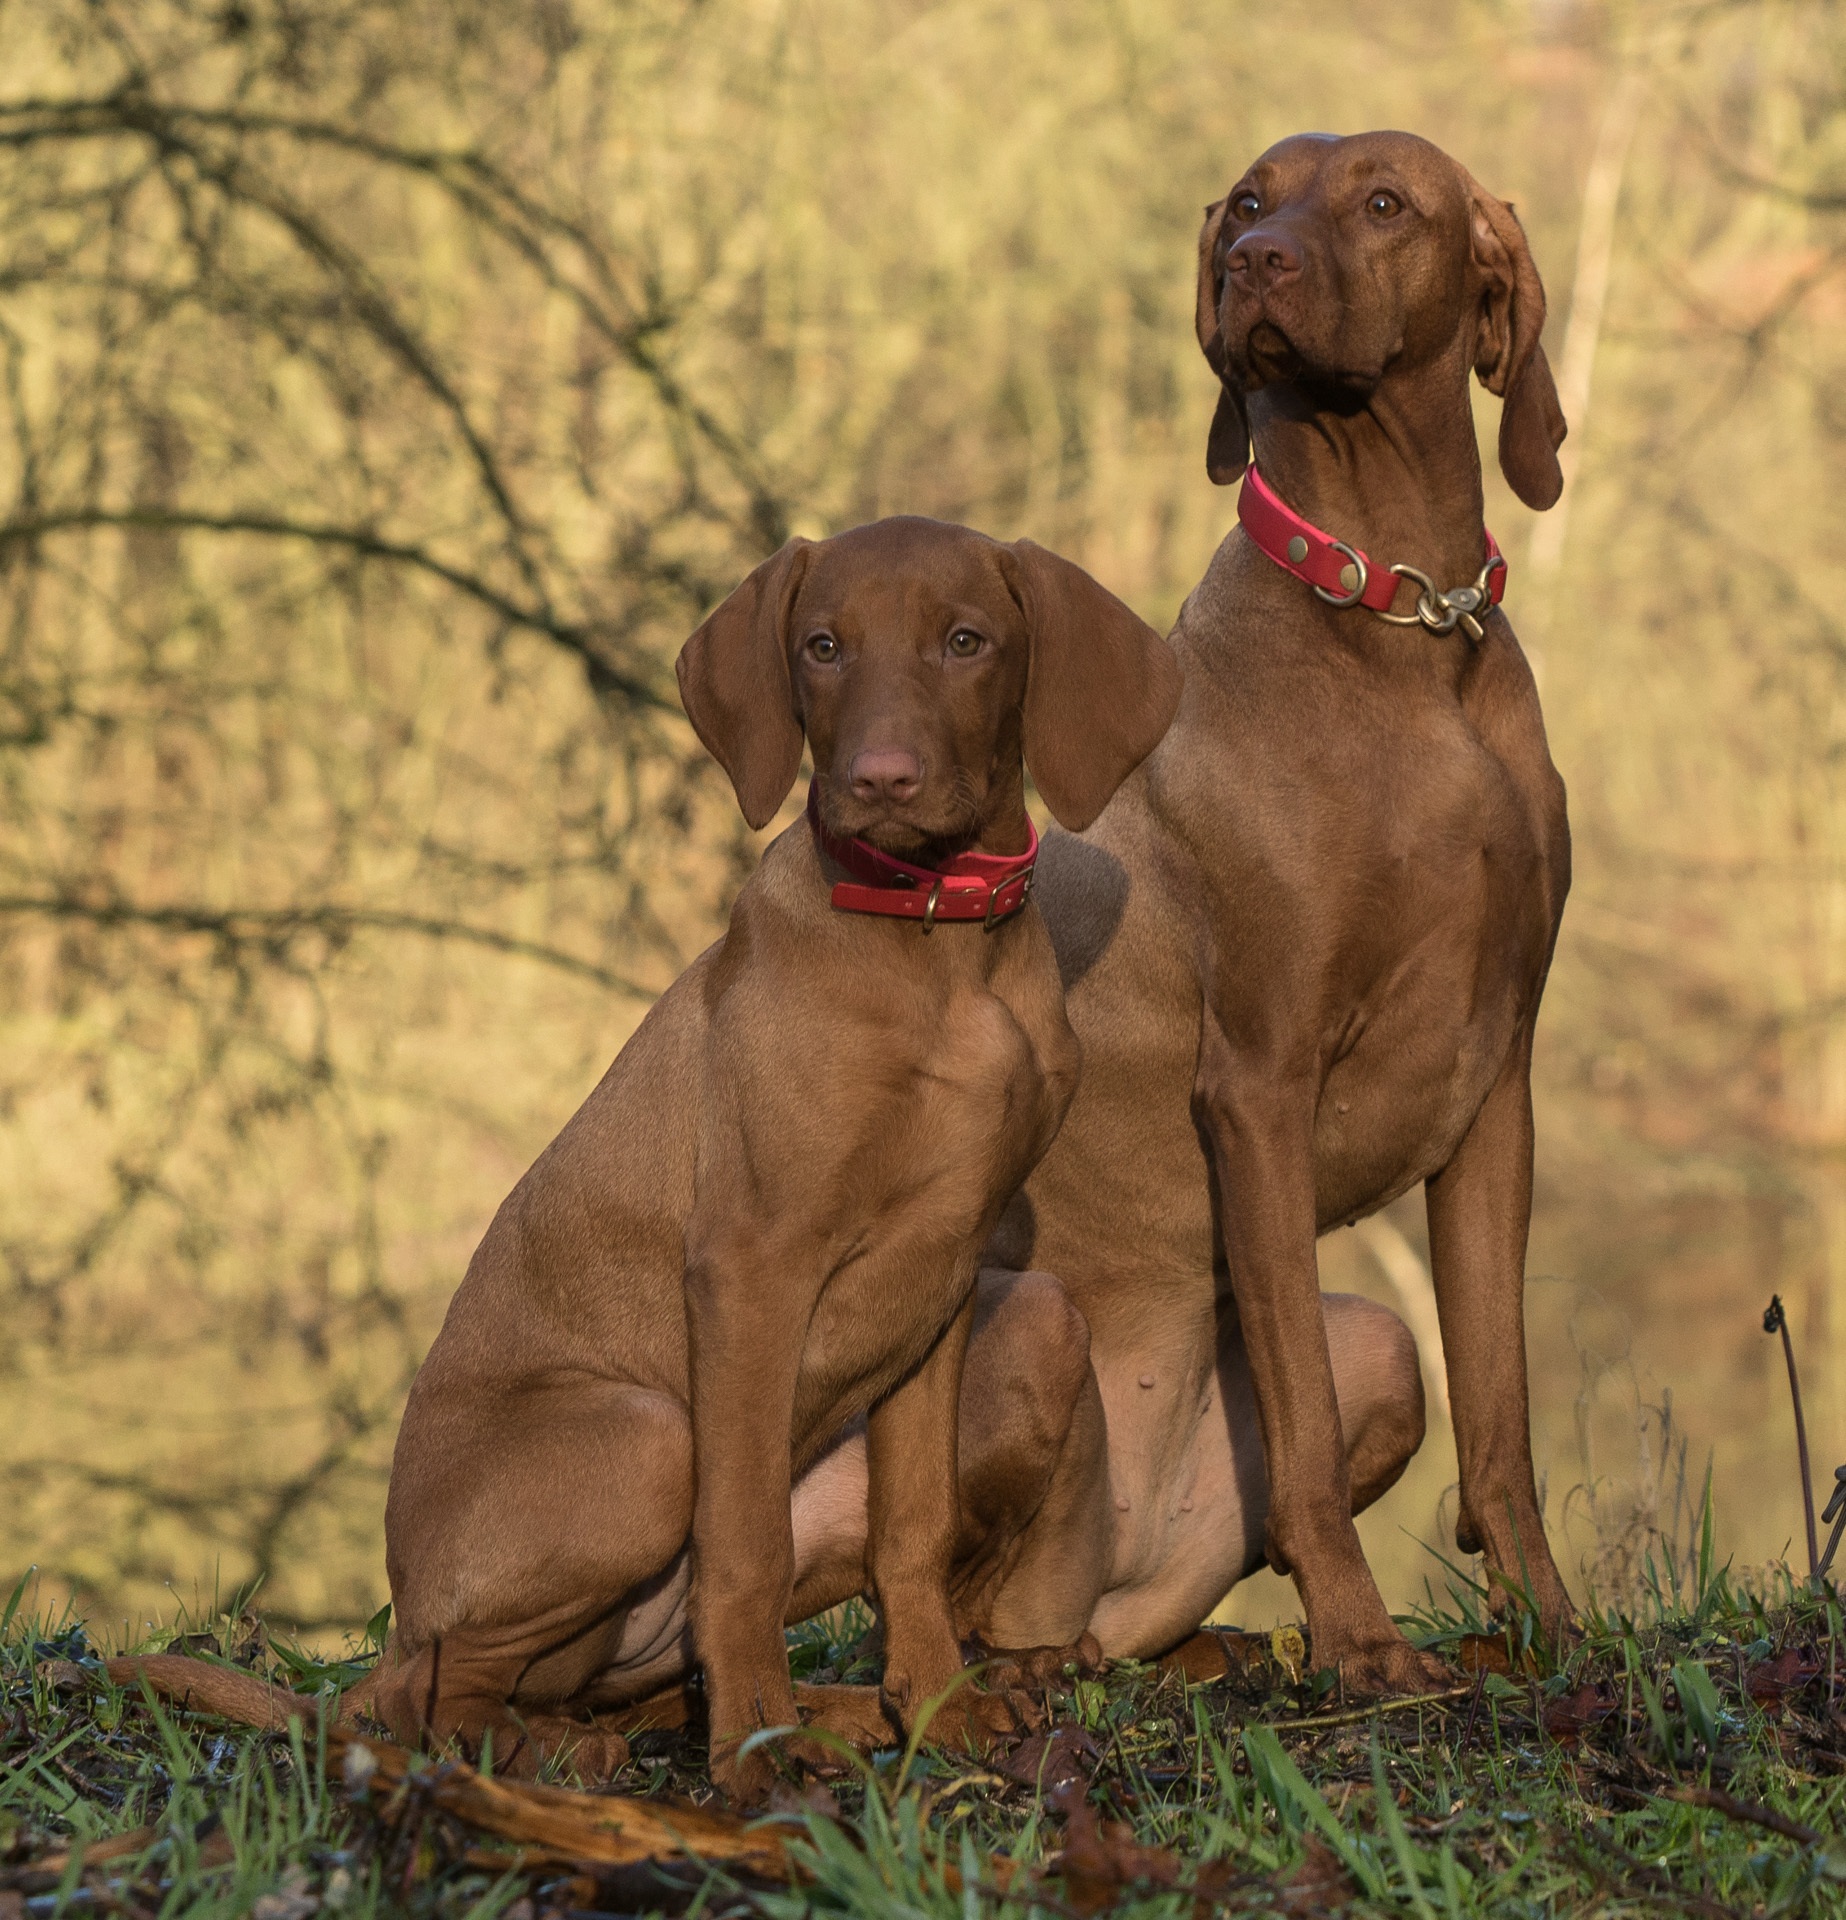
[(743, 1780), (857, 1715), (1039, 1667), (1391, 1667), (833, 1720), (522, 1747), (978, 1719), (594, 1754)]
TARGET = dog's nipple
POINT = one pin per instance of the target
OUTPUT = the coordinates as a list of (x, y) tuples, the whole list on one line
[(1121, 1503), (1147, 1379)]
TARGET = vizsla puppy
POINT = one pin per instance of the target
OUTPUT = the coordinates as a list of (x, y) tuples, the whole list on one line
[(764, 1226), (702, 1376), (1305, 945)]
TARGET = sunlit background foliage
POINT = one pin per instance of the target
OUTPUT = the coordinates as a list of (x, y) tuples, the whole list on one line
[(387, 387)]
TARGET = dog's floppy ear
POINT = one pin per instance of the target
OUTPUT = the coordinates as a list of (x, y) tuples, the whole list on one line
[(734, 684), (1101, 690), (1507, 354), (1227, 449)]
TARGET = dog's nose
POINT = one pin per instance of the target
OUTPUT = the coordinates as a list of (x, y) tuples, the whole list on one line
[(1265, 257), (888, 773)]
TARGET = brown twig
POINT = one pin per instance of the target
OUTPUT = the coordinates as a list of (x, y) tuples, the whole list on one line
[(553, 1823), (271, 925), (1775, 1320), (1354, 1715), (1474, 1707), (1747, 1810), (1655, 1883), (578, 637)]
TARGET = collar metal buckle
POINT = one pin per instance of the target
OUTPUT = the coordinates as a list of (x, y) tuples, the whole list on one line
[(1443, 612), (993, 900)]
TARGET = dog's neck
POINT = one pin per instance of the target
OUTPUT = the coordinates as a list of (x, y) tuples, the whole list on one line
[(1007, 828), (1399, 478)]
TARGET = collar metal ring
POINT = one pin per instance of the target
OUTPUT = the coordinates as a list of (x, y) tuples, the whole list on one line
[(1358, 593)]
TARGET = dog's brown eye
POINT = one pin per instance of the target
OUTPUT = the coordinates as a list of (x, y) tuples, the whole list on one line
[(965, 644), (824, 648), (1246, 206), (1384, 205)]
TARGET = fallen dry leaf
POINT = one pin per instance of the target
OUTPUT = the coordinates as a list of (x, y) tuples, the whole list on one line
[(1788, 1672), (1218, 1653), (1101, 1859), (1486, 1653), (217, 1849), (64, 1676), (1319, 1885), (1064, 1756), (1567, 1717)]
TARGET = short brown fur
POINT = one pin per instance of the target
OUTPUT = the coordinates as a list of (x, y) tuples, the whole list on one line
[(1305, 944), (1303, 949), (762, 1232)]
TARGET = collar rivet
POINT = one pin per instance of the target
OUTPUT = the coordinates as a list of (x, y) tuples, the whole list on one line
[(1298, 552)]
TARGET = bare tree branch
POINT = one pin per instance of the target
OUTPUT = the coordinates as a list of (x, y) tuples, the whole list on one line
[(272, 925), (578, 637)]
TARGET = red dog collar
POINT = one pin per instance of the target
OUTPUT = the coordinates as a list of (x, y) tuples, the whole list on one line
[(1344, 576), (989, 887)]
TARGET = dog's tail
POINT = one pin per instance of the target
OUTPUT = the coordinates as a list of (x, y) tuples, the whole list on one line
[(198, 1686)]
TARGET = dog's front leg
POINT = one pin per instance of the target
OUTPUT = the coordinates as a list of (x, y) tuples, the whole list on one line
[(912, 1520), (1259, 1124), (1480, 1212), (745, 1350)]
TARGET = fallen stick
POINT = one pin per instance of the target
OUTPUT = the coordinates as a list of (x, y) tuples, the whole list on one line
[(1748, 1810), (568, 1828), (548, 1824), (1354, 1715), (91, 1853)]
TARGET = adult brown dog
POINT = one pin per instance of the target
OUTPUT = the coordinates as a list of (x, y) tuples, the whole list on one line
[(1304, 946), (765, 1224)]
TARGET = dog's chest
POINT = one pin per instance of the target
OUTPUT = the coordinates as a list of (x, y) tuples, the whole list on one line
[(971, 1105), (1439, 961), (974, 1103)]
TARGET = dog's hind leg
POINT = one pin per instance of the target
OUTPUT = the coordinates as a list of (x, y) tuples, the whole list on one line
[(1037, 1526), (1032, 1469), (524, 1524), (1480, 1210)]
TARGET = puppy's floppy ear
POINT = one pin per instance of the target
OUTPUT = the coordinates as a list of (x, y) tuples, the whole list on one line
[(1227, 450), (1102, 688), (734, 684), (1507, 354)]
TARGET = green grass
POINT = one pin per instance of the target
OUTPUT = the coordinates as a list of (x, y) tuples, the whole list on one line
[(1540, 1792)]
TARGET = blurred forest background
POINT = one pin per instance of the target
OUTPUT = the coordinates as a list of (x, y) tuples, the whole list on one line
[(388, 386)]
